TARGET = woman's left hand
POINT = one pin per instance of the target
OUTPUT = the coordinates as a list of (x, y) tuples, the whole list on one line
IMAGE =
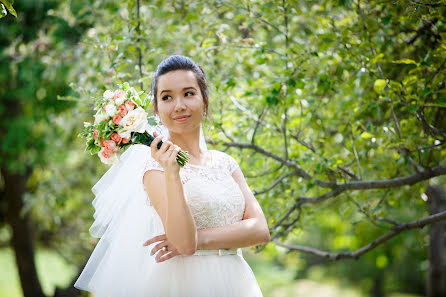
[(162, 255)]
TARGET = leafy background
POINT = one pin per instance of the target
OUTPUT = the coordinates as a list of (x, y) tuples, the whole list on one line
[(301, 92)]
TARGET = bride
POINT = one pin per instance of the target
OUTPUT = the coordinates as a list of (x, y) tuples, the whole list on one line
[(172, 231)]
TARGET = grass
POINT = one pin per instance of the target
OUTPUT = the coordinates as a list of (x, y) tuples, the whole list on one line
[(274, 281), (51, 268)]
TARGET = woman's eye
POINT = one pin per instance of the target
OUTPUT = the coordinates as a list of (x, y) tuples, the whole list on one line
[(192, 93), (165, 97)]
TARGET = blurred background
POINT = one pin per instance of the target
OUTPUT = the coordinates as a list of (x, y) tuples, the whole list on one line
[(335, 111)]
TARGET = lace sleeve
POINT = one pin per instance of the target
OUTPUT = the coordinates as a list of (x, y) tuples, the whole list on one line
[(232, 164), (152, 164)]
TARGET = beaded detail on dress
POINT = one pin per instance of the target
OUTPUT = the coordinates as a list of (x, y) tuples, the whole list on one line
[(215, 199)]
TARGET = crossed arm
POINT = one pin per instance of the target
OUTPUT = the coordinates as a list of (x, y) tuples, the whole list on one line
[(251, 230)]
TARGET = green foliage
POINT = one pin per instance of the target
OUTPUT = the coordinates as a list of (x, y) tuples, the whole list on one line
[(349, 82), (7, 4)]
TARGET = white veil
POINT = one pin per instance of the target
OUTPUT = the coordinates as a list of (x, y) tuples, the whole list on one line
[(123, 220)]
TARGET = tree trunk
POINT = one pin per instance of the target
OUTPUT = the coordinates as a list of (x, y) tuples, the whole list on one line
[(377, 289), (435, 285), (22, 233)]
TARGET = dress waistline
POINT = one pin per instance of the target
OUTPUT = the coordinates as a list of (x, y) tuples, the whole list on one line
[(219, 252)]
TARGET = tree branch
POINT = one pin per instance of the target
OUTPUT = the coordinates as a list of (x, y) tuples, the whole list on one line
[(138, 30), (426, 174), (275, 183), (380, 240)]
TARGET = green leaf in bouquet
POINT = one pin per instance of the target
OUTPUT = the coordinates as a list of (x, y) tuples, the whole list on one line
[(90, 142), (138, 101), (125, 86), (151, 120), (95, 149), (138, 138), (143, 98)]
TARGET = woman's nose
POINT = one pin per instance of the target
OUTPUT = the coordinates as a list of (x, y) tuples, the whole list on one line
[(180, 104)]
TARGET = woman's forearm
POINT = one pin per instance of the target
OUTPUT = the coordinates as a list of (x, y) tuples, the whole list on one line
[(180, 225), (241, 234)]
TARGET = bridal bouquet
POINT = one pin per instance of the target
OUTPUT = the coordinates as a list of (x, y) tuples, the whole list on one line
[(120, 121)]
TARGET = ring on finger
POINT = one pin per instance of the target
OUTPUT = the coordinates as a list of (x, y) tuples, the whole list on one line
[(164, 249)]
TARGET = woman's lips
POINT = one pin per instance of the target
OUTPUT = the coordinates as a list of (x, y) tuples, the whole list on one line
[(182, 118)]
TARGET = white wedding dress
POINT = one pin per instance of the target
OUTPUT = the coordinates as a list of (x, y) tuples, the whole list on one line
[(121, 266)]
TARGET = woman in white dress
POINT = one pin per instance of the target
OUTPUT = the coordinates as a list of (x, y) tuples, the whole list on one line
[(172, 231)]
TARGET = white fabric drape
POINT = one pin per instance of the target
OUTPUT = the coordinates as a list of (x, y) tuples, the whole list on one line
[(120, 263)]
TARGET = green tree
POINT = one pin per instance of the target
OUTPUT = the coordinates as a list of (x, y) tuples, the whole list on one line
[(32, 76), (341, 103), (334, 109)]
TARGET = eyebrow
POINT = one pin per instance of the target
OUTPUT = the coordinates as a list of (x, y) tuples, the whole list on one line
[(183, 89)]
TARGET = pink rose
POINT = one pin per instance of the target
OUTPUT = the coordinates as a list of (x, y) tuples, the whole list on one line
[(101, 141), (116, 138), (116, 119), (125, 140), (105, 154), (118, 94), (103, 107), (110, 146), (122, 110), (95, 134), (129, 105)]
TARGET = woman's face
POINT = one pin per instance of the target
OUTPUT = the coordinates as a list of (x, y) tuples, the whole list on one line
[(180, 104)]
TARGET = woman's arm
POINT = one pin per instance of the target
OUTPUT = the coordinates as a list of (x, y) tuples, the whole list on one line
[(169, 201), (251, 230)]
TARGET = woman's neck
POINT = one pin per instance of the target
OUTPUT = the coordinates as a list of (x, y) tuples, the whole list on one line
[(189, 142)]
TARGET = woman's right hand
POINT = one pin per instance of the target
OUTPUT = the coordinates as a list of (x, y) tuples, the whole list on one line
[(166, 156)]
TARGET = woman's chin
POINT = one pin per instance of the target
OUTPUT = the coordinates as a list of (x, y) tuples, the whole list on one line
[(183, 128)]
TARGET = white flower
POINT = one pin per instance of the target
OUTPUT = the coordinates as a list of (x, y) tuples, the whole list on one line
[(110, 109), (134, 92), (107, 157), (120, 100), (108, 94), (124, 133), (134, 96), (135, 120), (99, 116)]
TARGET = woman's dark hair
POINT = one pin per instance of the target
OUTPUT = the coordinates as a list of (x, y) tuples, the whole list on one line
[(177, 62)]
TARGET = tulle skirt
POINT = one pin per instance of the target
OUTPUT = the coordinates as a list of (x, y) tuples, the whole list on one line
[(203, 276)]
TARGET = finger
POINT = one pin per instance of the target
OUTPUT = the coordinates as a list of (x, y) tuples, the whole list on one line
[(174, 153), (168, 256), (155, 142), (155, 239), (160, 254), (158, 247), (165, 147)]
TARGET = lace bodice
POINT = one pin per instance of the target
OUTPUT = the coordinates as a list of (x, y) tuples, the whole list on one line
[(212, 194)]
